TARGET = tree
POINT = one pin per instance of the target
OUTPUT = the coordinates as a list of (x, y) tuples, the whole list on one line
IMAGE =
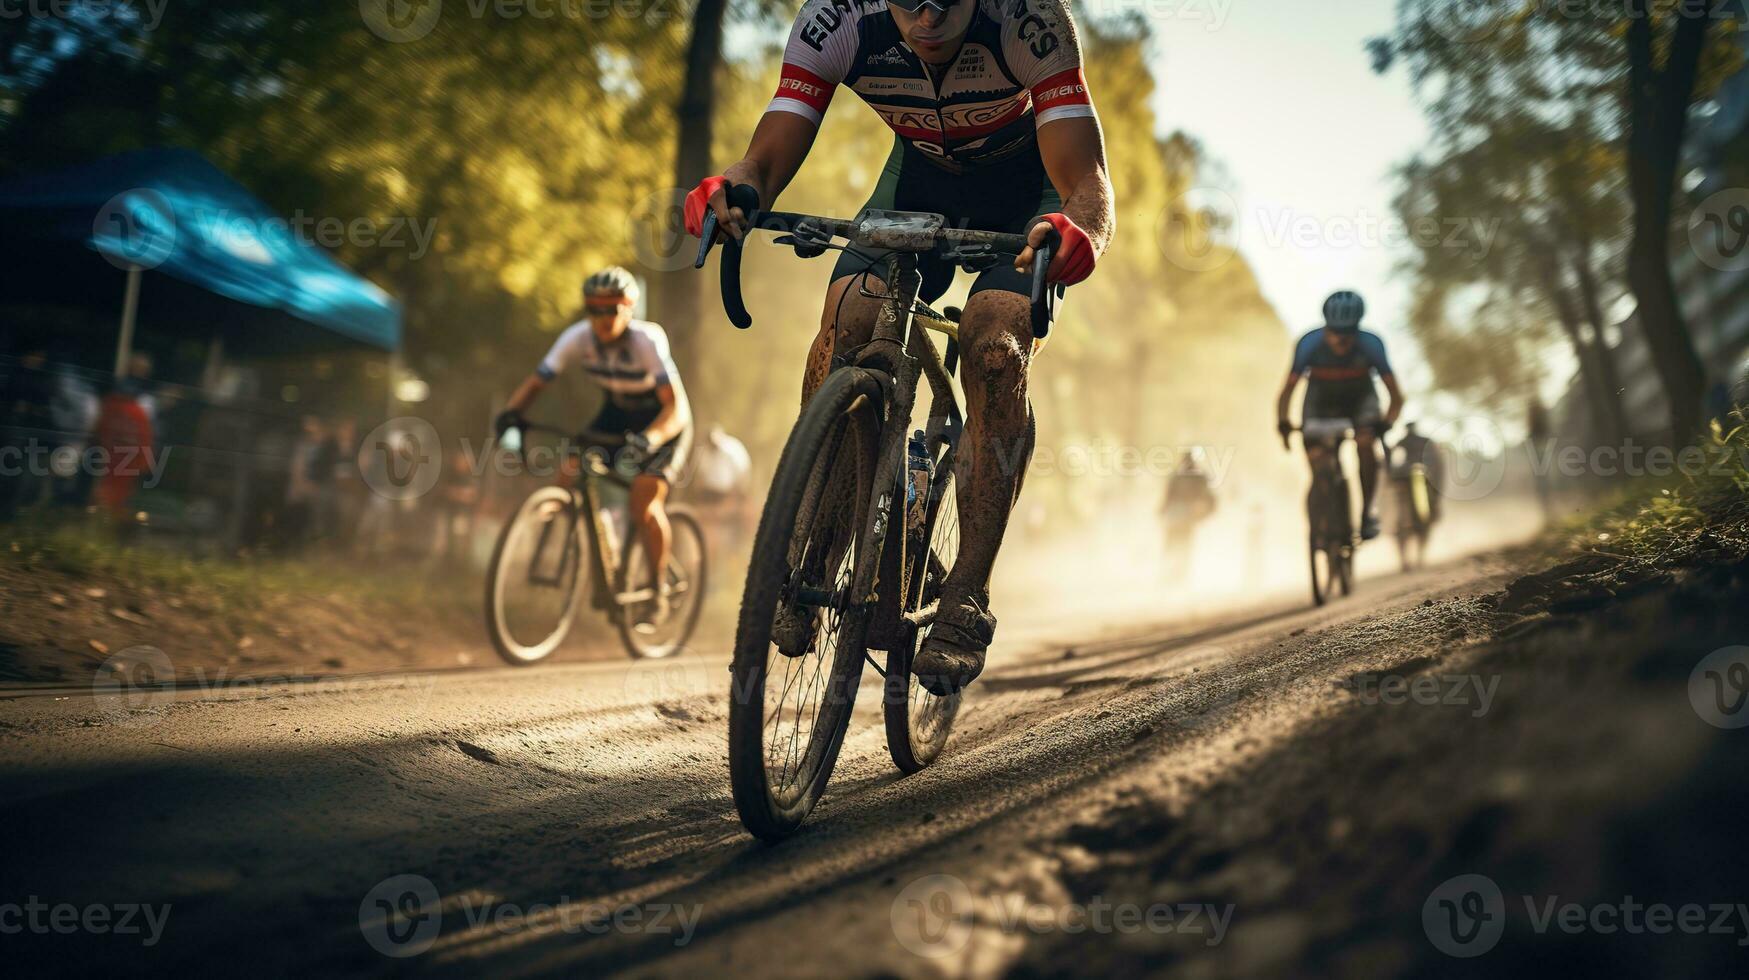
[(1633, 67), (1657, 109)]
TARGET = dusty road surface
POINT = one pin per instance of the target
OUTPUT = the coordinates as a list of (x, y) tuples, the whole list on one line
[(1275, 791)]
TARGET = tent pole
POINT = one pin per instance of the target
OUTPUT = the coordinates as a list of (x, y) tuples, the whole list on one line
[(130, 310), (394, 370)]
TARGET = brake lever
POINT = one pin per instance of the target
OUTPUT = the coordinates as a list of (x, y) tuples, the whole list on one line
[(747, 199)]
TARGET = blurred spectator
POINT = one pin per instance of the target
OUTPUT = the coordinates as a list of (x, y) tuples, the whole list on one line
[(123, 437), (722, 488), (73, 410), (26, 394), (309, 478), (1541, 429), (1189, 502), (349, 490)]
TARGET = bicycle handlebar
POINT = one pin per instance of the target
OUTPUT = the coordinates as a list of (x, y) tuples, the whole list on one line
[(819, 230)]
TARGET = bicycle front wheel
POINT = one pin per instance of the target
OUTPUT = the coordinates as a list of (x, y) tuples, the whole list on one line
[(788, 711), (918, 722), (535, 577), (649, 631)]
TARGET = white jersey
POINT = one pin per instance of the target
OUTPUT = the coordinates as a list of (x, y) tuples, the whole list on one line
[(630, 369)]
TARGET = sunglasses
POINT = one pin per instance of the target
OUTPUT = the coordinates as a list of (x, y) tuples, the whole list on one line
[(592, 309), (913, 6)]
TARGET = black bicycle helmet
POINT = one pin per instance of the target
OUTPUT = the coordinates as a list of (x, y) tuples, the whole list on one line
[(1344, 310)]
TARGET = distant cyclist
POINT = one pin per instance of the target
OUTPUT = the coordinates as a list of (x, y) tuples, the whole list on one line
[(1190, 500), (646, 404), (1338, 362)]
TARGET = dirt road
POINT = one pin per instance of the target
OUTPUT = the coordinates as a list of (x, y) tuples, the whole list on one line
[(1227, 797)]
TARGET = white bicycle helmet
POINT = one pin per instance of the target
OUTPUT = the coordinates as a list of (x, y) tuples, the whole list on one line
[(612, 281)]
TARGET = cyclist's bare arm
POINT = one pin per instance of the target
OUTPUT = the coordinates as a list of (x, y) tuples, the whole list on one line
[(675, 416), (1396, 392), (1284, 403), (1073, 150), (525, 393), (780, 143)]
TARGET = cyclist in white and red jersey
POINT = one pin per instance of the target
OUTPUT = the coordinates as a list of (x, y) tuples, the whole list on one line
[(646, 407), (995, 129)]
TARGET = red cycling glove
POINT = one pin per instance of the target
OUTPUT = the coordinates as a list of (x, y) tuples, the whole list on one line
[(1074, 258), (698, 204)]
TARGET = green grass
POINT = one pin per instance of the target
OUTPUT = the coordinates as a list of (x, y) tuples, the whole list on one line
[(1673, 518), (86, 550)]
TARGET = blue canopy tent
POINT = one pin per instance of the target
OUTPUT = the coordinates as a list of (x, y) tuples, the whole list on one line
[(170, 211)]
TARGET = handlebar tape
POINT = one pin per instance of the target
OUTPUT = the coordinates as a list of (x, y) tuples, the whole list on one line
[(747, 199), (1043, 291)]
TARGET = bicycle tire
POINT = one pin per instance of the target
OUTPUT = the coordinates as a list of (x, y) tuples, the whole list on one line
[(809, 460), (683, 525), (515, 651)]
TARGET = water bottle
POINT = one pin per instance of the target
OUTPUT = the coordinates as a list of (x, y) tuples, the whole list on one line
[(920, 469)]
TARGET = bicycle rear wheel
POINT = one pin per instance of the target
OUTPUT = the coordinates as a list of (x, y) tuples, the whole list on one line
[(534, 579), (918, 722), (788, 714)]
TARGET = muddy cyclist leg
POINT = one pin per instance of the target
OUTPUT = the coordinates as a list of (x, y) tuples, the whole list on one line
[(996, 348)]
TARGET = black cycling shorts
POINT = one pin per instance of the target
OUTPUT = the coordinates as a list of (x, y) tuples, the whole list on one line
[(1357, 404), (1005, 196), (668, 459)]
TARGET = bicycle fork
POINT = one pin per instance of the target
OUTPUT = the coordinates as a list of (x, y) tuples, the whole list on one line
[(886, 354)]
